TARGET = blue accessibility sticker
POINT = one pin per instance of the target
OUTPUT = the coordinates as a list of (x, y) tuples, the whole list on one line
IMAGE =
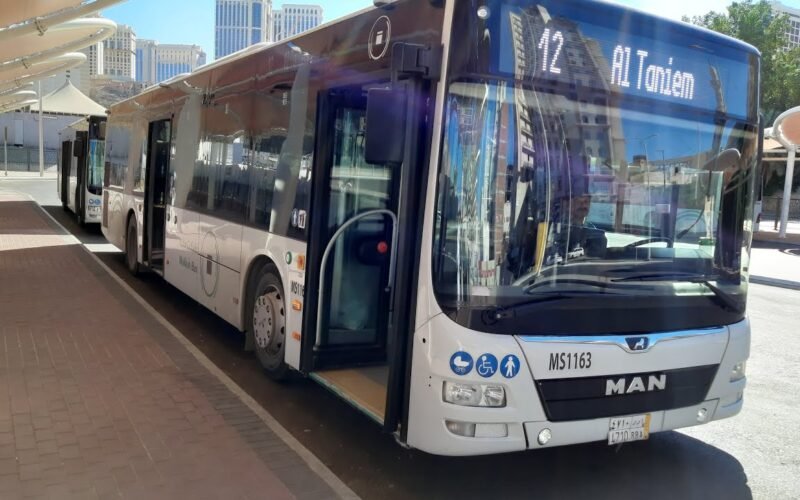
[(510, 365), (486, 365), (461, 363)]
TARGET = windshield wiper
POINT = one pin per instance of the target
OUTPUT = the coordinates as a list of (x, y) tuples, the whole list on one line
[(722, 297), (494, 314), (568, 281)]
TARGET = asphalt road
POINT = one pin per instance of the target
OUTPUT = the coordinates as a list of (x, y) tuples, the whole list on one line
[(756, 454)]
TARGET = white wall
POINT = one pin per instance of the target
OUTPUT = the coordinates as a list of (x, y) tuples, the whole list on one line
[(30, 128)]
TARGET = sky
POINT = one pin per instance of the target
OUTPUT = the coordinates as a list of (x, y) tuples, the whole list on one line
[(192, 21)]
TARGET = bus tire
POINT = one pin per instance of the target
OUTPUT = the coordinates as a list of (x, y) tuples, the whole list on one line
[(266, 322), (81, 218), (131, 240)]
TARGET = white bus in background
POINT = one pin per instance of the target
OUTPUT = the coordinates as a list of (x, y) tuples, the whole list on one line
[(399, 206), (80, 168)]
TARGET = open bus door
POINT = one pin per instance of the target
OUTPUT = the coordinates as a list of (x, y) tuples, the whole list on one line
[(63, 172), (159, 139), (80, 150), (365, 226)]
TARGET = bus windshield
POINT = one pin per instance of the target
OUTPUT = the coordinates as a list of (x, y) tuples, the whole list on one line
[(96, 159), (576, 179)]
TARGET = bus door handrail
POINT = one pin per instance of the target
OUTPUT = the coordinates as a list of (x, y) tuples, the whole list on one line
[(329, 247)]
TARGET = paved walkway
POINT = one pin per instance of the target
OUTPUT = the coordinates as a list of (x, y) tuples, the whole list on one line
[(775, 264), (100, 399)]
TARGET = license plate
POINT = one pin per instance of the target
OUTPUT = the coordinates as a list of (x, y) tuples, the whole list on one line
[(627, 429)]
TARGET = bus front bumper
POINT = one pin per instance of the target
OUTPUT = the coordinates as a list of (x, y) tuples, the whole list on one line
[(524, 423), (586, 431)]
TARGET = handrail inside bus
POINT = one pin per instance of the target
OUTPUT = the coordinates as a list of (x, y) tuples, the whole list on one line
[(329, 247)]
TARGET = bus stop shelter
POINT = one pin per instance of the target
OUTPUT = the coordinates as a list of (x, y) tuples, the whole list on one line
[(786, 130)]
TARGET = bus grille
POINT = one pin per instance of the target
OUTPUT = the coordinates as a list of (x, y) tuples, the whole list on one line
[(585, 398)]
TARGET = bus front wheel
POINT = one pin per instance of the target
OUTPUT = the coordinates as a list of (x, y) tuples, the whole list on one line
[(267, 324), (131, 259)]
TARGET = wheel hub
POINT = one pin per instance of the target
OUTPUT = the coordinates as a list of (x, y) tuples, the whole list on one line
[(268, 328)]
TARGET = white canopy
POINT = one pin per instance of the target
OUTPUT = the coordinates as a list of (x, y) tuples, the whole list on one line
[(68, 100), (15, 77), (27, 48), (19, 11)]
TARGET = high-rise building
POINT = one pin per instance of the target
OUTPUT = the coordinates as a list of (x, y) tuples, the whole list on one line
[(172, 60), (793, 35), (119, 59), (293, 19), (146, 61), (157, 62), (241, 23)]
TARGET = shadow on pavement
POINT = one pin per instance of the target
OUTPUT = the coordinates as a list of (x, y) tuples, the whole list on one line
[(670, 465), (777, 245), (88, 233)]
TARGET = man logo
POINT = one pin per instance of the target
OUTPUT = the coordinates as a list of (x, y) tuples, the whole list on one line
[(637, 343), (636, 384)]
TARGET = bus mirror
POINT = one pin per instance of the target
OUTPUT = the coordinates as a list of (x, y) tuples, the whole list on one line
[(386, 126), (724, 160)]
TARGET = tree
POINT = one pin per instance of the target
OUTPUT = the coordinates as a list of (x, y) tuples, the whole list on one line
[(756, 24)]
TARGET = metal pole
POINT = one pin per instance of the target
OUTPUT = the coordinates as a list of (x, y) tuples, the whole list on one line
[(787, 190), (41, 134), (5, 148)]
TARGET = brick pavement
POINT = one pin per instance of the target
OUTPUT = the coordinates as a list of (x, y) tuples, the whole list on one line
[(99, 400)]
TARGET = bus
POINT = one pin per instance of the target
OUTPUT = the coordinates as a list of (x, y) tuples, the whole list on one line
[(462, 217), (80, 169)]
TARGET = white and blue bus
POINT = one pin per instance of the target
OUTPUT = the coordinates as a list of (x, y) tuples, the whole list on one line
[(80, 168), (490, 225)]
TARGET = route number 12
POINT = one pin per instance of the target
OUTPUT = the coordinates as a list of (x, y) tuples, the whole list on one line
[(557, 40)]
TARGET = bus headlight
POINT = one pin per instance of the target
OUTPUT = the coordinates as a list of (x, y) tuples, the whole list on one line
[(474, 394), (738, 371)]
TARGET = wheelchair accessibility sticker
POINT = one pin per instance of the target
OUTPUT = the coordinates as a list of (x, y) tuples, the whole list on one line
[(461, 363), (486, 365)]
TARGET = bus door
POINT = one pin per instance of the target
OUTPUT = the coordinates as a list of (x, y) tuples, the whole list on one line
[(356, 320), (155, 195), (63, 172), (80, 147)]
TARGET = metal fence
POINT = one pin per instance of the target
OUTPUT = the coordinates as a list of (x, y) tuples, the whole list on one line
[(771, 208), (27, 159)]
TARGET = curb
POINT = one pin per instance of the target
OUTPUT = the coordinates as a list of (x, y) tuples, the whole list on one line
[(763, 280)]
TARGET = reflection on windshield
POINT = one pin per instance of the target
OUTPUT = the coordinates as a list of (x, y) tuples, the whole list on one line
[(96, 158), (530, 194)]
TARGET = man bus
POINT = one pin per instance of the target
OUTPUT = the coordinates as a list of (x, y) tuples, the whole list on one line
[(393, 205), (80, 168)]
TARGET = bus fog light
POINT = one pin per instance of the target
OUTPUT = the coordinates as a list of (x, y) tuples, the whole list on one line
[(544, 436), (702, 415), (474, 394), (738, 371), (465, 429)]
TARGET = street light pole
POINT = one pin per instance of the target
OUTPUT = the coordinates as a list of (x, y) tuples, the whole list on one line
[(41, 134), (787, 189)]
